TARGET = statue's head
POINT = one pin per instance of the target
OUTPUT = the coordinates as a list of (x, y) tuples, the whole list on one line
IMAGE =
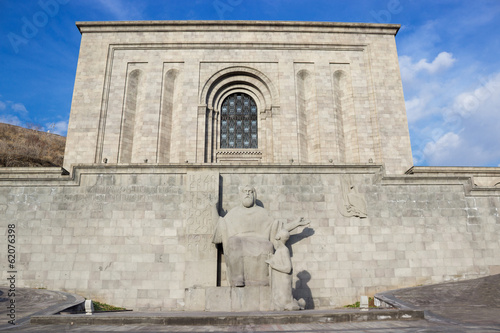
[(248, 196), (283, 235)]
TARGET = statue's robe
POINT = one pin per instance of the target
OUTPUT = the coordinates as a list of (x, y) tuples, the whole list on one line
[(281, 277), (245, 235)]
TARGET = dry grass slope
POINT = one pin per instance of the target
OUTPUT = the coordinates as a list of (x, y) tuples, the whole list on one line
[(22, 147)]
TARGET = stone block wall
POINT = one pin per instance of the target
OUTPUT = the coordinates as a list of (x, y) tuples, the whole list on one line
[(150, 92), (138, 236)]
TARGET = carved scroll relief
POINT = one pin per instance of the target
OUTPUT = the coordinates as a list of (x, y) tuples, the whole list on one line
[(201, 254), (353, 203)]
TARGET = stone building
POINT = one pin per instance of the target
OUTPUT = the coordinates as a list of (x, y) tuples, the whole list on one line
[(166, 116), (321, 93)]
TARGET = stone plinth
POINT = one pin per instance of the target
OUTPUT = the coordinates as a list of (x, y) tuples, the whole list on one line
[(249, 298)]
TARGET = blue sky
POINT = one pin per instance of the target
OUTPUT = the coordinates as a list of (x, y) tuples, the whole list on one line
[(449, 53)]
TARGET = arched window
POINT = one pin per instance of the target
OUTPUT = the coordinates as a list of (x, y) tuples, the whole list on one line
[(238, 126)]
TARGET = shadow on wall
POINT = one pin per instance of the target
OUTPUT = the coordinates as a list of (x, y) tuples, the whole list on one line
[(306, 232), (302, 290)]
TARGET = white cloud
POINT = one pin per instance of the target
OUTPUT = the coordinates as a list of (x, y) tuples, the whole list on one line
[(422, 104), (440, 151), (458, 150), (469, 131), (406, 68), (19, 108), (469, 102), (443, 60), (11, 113), (409, 68), (10, 119), (60, 127), (416, 108), (413, 108)]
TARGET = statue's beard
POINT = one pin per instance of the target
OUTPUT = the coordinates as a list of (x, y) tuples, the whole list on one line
[(247, 202)]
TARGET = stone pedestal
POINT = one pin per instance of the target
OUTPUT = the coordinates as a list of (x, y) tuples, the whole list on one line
[(230, 299)]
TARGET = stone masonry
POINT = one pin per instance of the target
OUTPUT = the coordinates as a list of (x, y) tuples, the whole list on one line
[(122, 234), (130, 223), (151, 92)]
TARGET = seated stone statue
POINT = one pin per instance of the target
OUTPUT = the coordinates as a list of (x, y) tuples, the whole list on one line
[(245, 234)]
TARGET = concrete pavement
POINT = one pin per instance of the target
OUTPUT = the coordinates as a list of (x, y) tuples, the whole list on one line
[(471, 302), (465, 306), (29, 302)]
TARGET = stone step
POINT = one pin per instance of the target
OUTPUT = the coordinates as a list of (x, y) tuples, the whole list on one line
[(229, 318)]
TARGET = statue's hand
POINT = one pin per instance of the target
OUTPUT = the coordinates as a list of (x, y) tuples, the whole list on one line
[(269, 259), (303, 222)]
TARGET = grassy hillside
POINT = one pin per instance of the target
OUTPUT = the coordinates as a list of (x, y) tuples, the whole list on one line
[(22, 147)]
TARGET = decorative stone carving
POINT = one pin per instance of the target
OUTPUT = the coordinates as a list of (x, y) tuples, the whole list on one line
[(245, 234), (239, 155), (200, 254), (281, 273), (353, 203)]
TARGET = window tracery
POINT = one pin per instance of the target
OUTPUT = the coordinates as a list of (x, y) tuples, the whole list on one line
[(238, 127)]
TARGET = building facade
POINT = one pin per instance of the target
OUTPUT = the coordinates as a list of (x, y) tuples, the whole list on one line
[(321, 93), (169, 116)]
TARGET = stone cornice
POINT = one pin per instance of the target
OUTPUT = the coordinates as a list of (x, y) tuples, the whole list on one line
[(238, 26), (483, 171), (49, 177)]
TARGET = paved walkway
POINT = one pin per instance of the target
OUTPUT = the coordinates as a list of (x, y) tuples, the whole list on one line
[(466, 306), (29, 302), (472, 302)]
